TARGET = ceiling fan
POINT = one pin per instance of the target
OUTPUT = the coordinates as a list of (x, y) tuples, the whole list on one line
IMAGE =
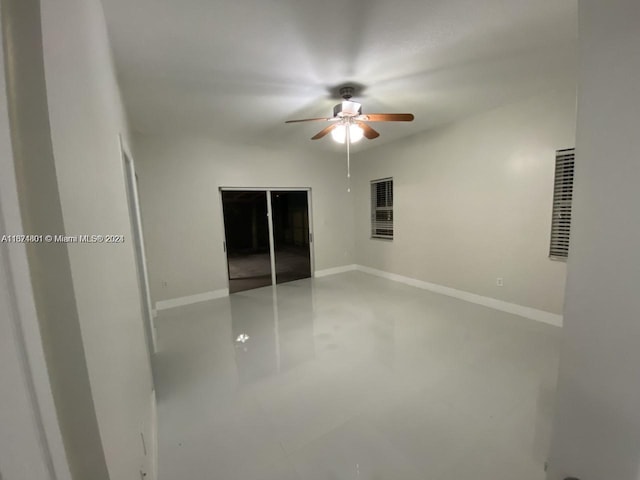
[(348, 121)]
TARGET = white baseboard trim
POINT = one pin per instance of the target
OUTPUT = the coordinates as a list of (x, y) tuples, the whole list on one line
[(513, 308), (527, 312), (334, 270), (188, 300)]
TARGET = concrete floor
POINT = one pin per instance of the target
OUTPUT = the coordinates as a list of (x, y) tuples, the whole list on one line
[(352, 377)]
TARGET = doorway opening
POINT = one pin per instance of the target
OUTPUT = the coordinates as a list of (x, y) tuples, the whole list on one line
[(267, 236)]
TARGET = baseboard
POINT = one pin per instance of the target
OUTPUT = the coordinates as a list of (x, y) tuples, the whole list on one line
[(513, 308), (224, 292), (188, 300), (334, 270), (527, 312)]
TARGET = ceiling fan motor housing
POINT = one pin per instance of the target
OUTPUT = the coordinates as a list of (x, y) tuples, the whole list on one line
[(347, 109)]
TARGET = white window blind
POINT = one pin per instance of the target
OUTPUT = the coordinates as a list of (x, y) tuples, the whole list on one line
[(382, 208), (562, 199)]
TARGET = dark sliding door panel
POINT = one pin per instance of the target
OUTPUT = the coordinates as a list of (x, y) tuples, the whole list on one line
[(246, 227), (290, 215)]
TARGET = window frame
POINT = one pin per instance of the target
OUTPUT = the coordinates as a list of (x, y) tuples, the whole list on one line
[(375, 209)]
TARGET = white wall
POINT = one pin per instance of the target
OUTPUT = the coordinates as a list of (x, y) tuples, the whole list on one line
[(472, 202), (31, 444), (597, 426), (49, 273), (86, 118), (179, 179), (22, 455)]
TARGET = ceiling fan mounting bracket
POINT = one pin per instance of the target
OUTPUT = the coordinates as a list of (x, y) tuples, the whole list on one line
[(346, 92)]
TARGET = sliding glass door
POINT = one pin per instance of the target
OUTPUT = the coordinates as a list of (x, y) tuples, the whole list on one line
[(267, 237), (291, 240), (246, 229)]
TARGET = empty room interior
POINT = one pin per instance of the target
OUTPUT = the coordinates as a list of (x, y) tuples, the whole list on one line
[(300, 240)]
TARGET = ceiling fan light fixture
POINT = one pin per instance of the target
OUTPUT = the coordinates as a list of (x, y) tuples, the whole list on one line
[(339, 134), (348, 114)]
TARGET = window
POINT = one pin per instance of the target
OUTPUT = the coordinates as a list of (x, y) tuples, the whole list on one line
[(382, 208), (562, 197)]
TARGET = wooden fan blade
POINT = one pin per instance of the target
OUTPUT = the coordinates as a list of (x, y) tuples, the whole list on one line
[(387, 117), (369, 132), (309, 120), (324, 131)]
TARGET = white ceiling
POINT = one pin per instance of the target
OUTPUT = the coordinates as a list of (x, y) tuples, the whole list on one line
[(237, 69)]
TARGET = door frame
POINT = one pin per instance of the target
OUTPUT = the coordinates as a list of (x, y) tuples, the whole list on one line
[(268, 191), (133, 201)]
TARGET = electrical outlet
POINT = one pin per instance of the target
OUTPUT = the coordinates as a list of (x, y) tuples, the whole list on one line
[(499, 282)]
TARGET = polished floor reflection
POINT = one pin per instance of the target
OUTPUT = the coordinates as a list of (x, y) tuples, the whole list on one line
[(352, 377)]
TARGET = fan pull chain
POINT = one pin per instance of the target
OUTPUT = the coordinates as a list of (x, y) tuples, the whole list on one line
[(348, 157)]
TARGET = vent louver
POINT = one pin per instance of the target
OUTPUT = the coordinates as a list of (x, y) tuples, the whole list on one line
[(562, 200)]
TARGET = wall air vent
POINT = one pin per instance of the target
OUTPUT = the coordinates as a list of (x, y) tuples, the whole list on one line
[(562, 199)]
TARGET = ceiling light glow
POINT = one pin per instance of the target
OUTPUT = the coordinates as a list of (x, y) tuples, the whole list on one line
[(340, 132)]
